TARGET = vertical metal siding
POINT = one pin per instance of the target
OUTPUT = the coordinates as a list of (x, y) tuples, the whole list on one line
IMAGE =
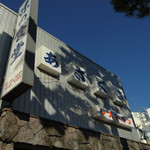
[(53, 98), (64, 103)]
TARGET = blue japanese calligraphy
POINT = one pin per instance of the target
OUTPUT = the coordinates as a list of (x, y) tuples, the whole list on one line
[(23, 10), (79, 75), (20, 33), (17, 52), (51, 59), (22, 19), (101, 83), (120, 95)]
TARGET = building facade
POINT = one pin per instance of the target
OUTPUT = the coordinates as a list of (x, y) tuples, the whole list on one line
[(142, 123), (68, 88)]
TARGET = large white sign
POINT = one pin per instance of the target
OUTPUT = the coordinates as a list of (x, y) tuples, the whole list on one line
[(112, 117), (22, 49)]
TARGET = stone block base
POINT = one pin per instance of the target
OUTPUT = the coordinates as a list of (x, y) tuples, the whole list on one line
[(20, 130)]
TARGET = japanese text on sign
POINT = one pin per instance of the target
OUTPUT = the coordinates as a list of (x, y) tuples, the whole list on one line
[(109, 116), (51, 59), (79, 74)]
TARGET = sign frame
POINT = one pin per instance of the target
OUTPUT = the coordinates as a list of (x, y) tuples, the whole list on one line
[(19, 76)]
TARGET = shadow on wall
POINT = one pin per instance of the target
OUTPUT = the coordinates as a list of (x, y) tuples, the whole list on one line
[(68, 135), (69, 104), (124, 144), (92, 69), (54, 99), (5, 45)]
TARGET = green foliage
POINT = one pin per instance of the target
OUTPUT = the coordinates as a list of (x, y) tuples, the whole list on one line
[(137, 8)]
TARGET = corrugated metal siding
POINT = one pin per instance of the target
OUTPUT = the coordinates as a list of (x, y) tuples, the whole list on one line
[(53, 98)]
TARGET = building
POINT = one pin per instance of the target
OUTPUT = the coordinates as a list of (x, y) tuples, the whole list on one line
[(142, 122), (74, 103)]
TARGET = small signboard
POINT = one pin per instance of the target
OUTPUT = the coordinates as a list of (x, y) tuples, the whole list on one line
[(99, 87), (19, 75), (118, 96), (48, 61), (77, 76), (112, 117)]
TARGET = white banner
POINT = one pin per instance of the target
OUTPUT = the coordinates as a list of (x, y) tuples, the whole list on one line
[(15, 82)]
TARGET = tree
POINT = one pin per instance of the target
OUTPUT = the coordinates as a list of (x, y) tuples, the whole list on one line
[(137, 8)]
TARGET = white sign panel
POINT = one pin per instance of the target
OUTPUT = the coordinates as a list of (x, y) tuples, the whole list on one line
[(77, 76), (23, 46), (48, 61), (109, 116), (118, 96), (99, 87)]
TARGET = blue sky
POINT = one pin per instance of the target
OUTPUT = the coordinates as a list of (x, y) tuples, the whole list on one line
[(115, 42)]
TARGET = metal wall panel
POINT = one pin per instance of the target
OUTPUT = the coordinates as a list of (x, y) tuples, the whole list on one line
[(53, 98)]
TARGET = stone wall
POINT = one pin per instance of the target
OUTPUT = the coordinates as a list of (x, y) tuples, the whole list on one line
[(22, 130)]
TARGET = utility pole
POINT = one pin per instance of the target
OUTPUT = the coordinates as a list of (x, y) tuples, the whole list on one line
[(133, 100)]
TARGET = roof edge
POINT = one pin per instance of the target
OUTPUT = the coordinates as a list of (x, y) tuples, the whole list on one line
[(8, 9)]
